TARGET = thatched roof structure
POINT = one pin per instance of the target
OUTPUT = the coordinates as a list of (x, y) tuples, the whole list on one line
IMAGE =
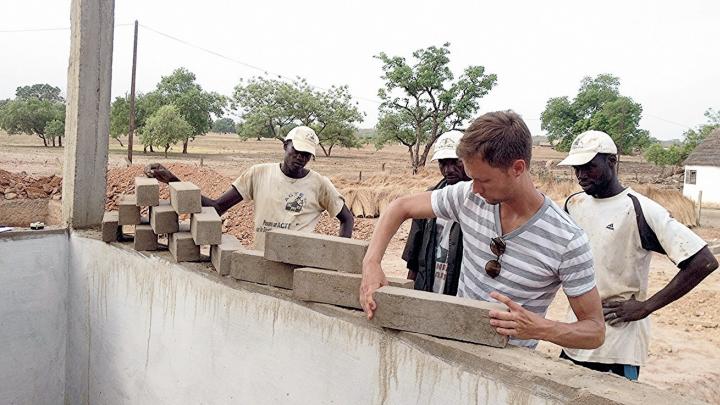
[(707, 153)]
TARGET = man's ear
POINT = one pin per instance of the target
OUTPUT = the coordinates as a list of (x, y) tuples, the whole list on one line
[(612, 162), (518, 167)]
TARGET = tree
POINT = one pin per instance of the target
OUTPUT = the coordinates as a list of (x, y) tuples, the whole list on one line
[(334, 118), (119, 118), (425, 97), (597, 106), (165, 128), (224, 125), (194, 104), (31, 116), (40, 91), (267, 107)]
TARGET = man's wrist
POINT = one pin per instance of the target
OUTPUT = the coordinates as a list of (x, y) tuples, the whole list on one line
[(546, 330)]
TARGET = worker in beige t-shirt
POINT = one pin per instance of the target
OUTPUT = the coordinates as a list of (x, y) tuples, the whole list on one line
[(286, 195), (625, 228)]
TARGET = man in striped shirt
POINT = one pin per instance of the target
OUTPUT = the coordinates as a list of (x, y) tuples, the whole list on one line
[(519, 246)]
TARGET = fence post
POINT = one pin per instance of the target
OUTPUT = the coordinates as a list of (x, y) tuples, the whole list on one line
[(699, 214)]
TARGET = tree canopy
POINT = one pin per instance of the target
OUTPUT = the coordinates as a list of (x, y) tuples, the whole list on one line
[(270, 108), (36, 110), (597, 106), (224, 125), (422, 100), (165, 128)]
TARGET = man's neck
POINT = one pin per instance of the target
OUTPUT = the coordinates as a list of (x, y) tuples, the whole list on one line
[(613, 188), (293, 174), (516, 211)]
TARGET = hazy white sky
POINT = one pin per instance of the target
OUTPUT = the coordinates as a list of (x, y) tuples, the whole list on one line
[(665, 53)]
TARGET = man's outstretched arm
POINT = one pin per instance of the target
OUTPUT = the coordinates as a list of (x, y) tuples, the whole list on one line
[(347, 220), (223, 203), (412, 206)]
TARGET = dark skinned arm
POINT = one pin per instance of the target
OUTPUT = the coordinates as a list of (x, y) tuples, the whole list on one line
[(226, 201), (347, 220), (692, 272)]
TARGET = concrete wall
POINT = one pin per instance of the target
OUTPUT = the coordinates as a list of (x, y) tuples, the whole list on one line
[(707, 180), (137, 329), (33, 318)]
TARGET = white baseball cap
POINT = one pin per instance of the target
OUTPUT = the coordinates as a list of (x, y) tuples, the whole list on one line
[(445, 145), (587, 145), (303, 139)]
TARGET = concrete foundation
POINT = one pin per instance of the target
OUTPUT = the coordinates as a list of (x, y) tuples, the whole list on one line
[(85, 322)]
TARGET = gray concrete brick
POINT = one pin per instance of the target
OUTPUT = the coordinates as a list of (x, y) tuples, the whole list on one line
[(147, 192), (183, 248), (437, 315), (220, 254), (110, 226), (333, 287), (163, 218), (128, 211), (315, 250), (145, 238), (206, 227), (250, 265), (185, 197)]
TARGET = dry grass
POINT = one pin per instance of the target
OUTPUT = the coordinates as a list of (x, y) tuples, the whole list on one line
[(680, 207)]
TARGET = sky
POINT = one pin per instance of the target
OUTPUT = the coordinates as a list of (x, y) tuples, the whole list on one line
[(665, 53)]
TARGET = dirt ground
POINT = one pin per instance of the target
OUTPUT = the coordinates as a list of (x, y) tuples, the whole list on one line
[(684, 353)]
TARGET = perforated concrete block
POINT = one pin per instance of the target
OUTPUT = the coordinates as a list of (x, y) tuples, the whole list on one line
[(110, 226), (315, 250), (183, 248), (437, 315), (128, 211), (250, 265), (147, 192), (185, 197), (206, 227), (145, 238), (220, 254), (163, 218), (333, 287)]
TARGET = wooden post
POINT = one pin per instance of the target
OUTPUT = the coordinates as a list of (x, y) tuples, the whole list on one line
[(699, 207), (131, 130), (360, 176)]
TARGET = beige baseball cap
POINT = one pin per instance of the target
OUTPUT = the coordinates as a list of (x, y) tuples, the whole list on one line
[(303, 139), (446, 145), (587, 145)]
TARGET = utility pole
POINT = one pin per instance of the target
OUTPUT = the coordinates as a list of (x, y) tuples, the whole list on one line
[(131, 130)]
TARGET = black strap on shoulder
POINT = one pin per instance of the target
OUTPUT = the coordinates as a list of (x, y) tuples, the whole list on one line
[(565, 206), (648, 238)]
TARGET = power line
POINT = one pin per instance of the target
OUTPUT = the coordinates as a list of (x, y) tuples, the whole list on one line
[(48, 29), (231, 59), (668, 121)]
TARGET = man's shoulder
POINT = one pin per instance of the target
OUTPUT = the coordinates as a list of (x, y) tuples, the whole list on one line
[(558, 218)]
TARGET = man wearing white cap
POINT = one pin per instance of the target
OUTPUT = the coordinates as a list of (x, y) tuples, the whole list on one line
[(624, 228), (286, 195), (433, 251)]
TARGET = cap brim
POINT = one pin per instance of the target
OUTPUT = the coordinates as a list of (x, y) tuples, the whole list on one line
[(303, 146), (444, 154), (577, 159)]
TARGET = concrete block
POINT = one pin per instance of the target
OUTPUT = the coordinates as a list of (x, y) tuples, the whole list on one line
[(206, 227), (220, 254), (110, 226), (163, 218), (250, 265), (332, 287), (128, 211), (315, 250), (145, 238), (185, 197), (437, 315), (183, 248), (147, 192)]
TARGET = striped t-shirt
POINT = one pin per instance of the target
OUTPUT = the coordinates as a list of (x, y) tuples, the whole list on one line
[(547, 252)]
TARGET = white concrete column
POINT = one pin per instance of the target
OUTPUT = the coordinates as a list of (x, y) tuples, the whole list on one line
[(87, 120)]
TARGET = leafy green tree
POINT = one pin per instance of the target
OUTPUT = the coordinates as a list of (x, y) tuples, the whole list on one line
[(224, 125), (335, 119), (119, 118), (55, 129), (426, 98), (194, 104), (41, 91), (165, 128), (267, 107), (31, 116), (599, 106)]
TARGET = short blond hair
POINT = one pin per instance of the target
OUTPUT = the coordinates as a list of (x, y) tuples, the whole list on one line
[(499, 138)]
